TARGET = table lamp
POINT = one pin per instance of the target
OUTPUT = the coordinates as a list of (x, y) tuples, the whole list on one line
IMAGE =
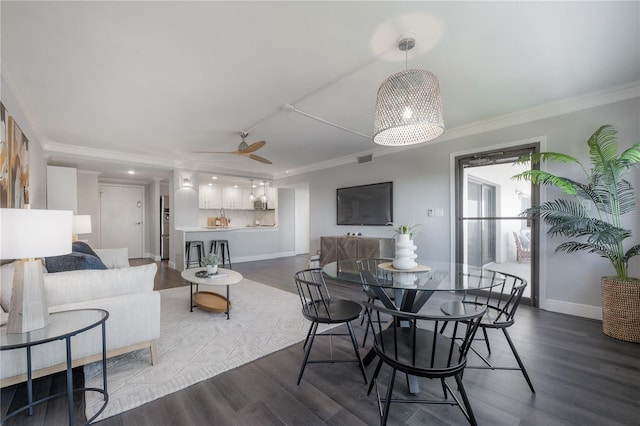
[(26, 235), (81, 225)]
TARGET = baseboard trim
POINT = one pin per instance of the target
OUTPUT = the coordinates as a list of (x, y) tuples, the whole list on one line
[(262, 257), (586, 311)]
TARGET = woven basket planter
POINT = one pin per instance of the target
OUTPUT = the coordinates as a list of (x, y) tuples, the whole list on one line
[(621, 308)]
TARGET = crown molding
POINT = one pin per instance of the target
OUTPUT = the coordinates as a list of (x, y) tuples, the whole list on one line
[(88, 172), (51, 148), (553, 109)]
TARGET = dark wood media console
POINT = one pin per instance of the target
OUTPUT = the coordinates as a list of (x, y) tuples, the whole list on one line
[(333, 249)]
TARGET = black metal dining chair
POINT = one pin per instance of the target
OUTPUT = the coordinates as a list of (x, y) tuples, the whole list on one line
[(320, 308), (369, 273), (414, 345), (502, 302)]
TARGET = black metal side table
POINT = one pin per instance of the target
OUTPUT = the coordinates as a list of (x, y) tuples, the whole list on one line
[(63, 326)]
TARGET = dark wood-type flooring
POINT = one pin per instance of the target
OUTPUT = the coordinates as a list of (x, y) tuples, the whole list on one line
[(581, 376)]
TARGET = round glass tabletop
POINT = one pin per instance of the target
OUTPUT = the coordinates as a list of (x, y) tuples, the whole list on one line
[(430, 275), (61, 325)]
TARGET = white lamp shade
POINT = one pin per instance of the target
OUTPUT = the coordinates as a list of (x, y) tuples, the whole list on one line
[(30, 233), (82, 224)]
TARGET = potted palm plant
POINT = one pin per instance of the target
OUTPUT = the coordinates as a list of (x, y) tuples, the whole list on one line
[(598, 230)]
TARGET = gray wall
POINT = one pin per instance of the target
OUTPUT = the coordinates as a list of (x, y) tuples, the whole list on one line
[(422, 180)]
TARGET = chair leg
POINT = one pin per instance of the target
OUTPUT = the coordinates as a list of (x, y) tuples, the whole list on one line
[(519, 361), (468, 411), (444, 325), (387, 402), (366, 330), (357, 351), (444, 388), (486, 339), (374, 377), (308, 334), (366, 311), (307, 351)]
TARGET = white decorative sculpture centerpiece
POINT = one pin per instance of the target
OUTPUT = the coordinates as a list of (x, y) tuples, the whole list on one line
[(405, 250)]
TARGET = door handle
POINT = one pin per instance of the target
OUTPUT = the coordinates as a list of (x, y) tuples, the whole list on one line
[(138, 223)]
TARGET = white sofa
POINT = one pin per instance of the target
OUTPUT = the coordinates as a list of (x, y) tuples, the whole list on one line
[(126, 292)]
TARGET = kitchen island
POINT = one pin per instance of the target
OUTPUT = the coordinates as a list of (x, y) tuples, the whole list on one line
[(246, 243)]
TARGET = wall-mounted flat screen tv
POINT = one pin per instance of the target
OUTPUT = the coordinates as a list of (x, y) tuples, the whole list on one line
[(366, 204)]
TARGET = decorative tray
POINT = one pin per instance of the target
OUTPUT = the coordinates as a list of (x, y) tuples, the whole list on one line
[(204, 274), (388, 266)]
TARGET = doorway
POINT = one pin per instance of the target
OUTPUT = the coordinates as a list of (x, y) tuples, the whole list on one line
[(489, 231), (121, 218)]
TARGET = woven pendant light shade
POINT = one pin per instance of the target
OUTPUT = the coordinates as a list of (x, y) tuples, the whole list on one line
[(408, 109)]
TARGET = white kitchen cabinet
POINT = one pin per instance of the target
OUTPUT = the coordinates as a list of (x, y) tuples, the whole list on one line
[(210, 196), (272, 198), (246, 202), (231, 198)]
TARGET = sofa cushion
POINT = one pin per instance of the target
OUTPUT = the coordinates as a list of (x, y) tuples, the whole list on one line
[(114, 258), (77, 286), (73, 262)]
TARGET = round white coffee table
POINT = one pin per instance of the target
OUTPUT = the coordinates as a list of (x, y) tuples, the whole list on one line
[(209, 300)]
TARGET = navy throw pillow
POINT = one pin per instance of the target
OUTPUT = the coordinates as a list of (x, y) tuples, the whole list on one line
[(82, 247), (73, 262)]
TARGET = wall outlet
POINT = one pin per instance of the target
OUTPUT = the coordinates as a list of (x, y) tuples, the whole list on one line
[(439, 212), (429, 212)]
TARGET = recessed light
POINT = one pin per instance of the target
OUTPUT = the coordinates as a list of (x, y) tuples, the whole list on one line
[(132, 172), (210, 184), (214, 177), (235, 186)]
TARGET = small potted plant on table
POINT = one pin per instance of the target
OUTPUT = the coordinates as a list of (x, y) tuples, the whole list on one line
[(211, 262)]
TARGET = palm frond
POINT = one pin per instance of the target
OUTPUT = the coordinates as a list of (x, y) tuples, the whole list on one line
[(540, 157), (633, 251), (612, 196), (630, 156), (574, 246), (603, 148), (541, 177)]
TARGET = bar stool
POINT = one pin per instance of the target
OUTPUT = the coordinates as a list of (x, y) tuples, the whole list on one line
[(224, 246), (199, 246)]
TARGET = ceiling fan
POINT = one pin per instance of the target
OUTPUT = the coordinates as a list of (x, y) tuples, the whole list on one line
[(243, 149)]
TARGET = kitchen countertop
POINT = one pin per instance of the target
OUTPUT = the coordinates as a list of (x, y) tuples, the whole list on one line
[(227, 229)]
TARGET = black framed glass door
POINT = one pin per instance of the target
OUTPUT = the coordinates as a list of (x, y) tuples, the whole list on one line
[(489, 231)]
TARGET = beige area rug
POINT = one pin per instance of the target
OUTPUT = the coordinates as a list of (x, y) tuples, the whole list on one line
[(195, 346)]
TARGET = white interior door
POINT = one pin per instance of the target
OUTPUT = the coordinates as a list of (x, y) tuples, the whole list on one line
[(121, 213)]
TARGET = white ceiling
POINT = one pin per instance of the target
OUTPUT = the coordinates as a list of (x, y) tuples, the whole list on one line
[(144, 84)]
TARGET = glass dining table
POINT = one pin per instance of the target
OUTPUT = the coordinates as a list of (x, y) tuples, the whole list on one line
[(409, 290)]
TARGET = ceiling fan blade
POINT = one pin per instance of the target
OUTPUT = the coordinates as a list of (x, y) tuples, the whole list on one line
[(253, 147), (260, 159), (216, 152)]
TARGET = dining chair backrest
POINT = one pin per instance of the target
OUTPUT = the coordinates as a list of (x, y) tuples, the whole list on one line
[(370, 265), (503, 299), (313, 292), (415, 345)]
